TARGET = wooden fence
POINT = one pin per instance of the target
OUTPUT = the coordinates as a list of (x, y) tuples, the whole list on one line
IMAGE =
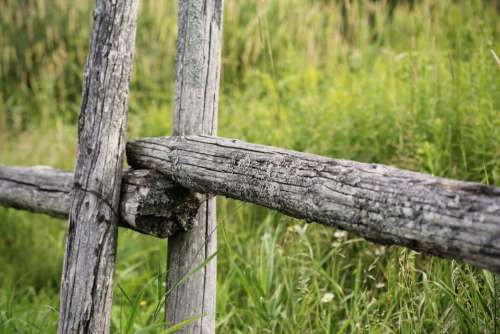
[(170, 192)]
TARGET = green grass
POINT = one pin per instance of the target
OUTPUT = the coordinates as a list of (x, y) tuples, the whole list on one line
[(422, 95)]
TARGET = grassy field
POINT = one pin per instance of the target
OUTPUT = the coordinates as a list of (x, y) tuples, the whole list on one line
[(420, 91)]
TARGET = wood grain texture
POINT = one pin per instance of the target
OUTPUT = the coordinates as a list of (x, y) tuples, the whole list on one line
[(198, 61), (89, 262), (150, 203), (434, 215), (37, 189)]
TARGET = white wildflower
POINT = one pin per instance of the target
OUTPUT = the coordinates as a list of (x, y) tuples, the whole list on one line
[(327, 298), (340, 234)]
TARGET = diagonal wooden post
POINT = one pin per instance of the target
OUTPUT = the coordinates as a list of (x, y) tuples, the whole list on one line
[(89, 263), (191, 295)]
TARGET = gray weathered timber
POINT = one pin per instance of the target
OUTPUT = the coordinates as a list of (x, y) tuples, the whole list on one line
[(198, 61), (89, 262), (439, 216), (150, 202), (37, 189)]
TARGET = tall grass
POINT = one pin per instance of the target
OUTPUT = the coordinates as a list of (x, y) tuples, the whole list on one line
[(422, 94)]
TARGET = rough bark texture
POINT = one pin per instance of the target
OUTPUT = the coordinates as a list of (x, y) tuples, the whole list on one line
[(443, 217), (150, 203), (153, 204), (89, 263), (196, 102)]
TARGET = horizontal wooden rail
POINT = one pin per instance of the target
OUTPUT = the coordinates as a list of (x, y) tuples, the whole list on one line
[(439, 216), (150, 203)]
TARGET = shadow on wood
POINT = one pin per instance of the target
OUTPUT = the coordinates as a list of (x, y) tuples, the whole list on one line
[(150, 202)]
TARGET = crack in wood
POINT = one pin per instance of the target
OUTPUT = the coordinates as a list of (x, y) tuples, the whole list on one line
[(438, 216)]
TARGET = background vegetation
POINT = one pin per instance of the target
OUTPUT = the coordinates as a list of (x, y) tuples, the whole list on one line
[(419, 91)]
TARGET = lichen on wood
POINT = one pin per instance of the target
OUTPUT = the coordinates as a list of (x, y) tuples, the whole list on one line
[(383, 204)]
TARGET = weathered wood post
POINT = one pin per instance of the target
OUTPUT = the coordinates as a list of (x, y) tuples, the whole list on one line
[(87, 279), (195, 112)]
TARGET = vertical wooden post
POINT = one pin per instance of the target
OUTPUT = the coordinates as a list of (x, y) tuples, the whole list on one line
[(192, 295), (87, 280)]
